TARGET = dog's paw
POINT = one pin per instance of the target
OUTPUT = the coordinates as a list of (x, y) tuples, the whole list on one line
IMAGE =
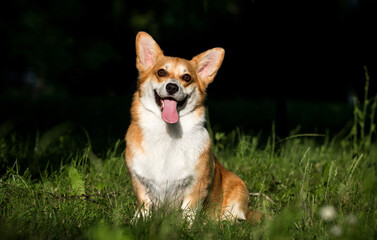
[(140, 215)]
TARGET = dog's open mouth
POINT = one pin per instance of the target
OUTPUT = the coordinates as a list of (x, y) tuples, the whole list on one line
[(169, 107)]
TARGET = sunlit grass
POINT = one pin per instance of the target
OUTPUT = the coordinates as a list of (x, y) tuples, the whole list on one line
[(305, 177)]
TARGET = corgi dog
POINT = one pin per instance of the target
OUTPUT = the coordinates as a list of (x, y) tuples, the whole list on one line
[(168, 149)]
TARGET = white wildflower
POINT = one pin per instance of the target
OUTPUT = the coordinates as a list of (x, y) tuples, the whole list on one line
[(336, 230), (327, 213)]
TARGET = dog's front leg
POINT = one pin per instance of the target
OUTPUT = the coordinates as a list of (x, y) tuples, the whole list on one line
[(197, 193), (144, 201), (193, 201)]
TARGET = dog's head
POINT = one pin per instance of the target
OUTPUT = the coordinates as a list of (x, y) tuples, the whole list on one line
[(172, 87)]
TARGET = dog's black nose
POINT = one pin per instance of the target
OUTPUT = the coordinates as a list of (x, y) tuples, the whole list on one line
[(171, 88)]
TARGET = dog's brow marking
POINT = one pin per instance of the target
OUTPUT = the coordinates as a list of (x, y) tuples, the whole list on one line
[(182, 69)]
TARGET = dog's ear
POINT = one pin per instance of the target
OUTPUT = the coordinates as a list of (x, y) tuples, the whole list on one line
[(147, 51), (207, 64)]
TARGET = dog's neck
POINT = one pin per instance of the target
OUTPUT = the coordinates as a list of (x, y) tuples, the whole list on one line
[(174, 130)]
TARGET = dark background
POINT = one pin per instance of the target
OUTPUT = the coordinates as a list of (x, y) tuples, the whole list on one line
[(289, 62)]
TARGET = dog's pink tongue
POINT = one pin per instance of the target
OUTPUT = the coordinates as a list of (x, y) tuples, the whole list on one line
[(169, 113)]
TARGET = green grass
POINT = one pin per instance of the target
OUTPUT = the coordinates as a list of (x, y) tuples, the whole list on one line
[(87, 197)]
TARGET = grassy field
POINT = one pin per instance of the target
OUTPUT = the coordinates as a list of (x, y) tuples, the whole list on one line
[(56, 184), (308, 187)]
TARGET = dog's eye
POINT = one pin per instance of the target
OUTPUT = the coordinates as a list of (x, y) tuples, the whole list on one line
[(186, 77), (162, 73)]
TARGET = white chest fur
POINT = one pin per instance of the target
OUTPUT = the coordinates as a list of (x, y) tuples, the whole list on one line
[(167, 164)]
